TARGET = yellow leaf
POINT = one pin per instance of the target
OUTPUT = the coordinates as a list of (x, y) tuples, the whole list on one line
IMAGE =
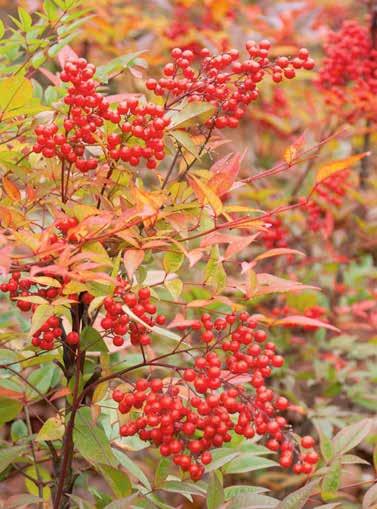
[(11, 190), (329, 169), (290, 154), (16, 92), (48, 281), (32, 487), (100, 392)]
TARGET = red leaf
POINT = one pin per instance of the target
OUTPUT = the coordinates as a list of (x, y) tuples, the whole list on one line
[(5, 260), (238, 245), (132, 260), (304, 321), (225, 173), (180, 321)]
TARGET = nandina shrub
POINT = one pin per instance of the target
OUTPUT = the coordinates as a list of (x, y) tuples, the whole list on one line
[(119, 244)]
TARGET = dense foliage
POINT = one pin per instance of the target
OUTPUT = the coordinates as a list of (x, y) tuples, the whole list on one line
[(188, 254)]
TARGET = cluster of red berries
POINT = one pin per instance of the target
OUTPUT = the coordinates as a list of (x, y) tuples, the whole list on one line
[(349, 71), (139, 128), (224, 390), (51, 331), (144, 123), (316, 215), (223, 80), (331, 191), (117, 322), (87, 111), (334, 188), (18, 288), (48, 333), (276, 235)]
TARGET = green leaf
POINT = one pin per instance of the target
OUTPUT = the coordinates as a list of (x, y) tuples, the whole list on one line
[(298, 498), (214, 272), (236, 490), (8, 456), (185, 140), (25, 19), (183, 487), (2, 29), (255, 501), (351, 459), (18, 430), (350, 436), (52, 429), (324, 443), (175, 287), (38, 59), (172, 261), (215, 495), (50, 9), (125, 503), (221, 457), (91, 340), (9, 409), (91, 440), (192, 113), (117, 65), (117, 480), (162, 471), (9, 357), (331, 482), (132, 468), (51, 95), (41, 380), (40, 316), (247, 463), (23, 500)]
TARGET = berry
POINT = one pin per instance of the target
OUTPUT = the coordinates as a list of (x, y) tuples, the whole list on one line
[(307, 442), (73, 338)]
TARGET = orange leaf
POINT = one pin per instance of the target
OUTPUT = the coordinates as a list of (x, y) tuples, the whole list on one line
[(60, 394), (11, 190), (8, 393), (30, 192), (329, 169), (204, 192)]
